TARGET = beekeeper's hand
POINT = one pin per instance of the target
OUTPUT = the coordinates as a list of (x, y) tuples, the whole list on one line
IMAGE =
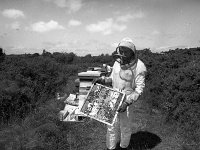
[(123, 107), (131, 98), (100, 80)]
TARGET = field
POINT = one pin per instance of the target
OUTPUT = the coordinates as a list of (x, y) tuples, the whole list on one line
[(29, 108)]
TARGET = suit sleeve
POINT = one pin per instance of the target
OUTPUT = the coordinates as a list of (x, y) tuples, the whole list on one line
[(139, 85)]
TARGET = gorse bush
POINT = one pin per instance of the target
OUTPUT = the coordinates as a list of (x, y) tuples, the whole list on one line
[(173, 87), (40, 130), (28, 82)]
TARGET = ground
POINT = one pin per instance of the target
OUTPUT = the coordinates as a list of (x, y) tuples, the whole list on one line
[(91, 134)]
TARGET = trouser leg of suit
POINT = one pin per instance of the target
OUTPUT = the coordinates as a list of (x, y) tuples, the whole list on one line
[(120, 131), (125, 128), (113, 134)]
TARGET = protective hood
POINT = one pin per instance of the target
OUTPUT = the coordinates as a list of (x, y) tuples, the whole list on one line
[(129, 60), (127, 42)]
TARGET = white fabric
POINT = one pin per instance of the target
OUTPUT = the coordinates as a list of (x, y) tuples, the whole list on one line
[(131, 81), (127, 42)]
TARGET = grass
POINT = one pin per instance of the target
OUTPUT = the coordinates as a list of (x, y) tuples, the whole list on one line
[(43, 131)]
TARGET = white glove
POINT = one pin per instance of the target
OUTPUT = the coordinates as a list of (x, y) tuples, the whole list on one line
[(132, 97), (123, 107)]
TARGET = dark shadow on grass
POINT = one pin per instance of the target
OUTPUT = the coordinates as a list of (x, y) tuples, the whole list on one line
[(143, 140)]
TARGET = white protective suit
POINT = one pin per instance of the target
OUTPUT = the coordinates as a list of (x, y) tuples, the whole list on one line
[(132, 81)]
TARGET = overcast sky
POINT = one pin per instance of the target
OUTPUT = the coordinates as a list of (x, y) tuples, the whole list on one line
[(97, 26)]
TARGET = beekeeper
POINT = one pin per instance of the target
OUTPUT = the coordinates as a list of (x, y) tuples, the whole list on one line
[(128, 75)]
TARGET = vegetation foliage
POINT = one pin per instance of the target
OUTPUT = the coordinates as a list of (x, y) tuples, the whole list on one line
[(29, 83)]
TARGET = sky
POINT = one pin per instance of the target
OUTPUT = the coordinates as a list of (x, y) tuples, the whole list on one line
[(97, 26)]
